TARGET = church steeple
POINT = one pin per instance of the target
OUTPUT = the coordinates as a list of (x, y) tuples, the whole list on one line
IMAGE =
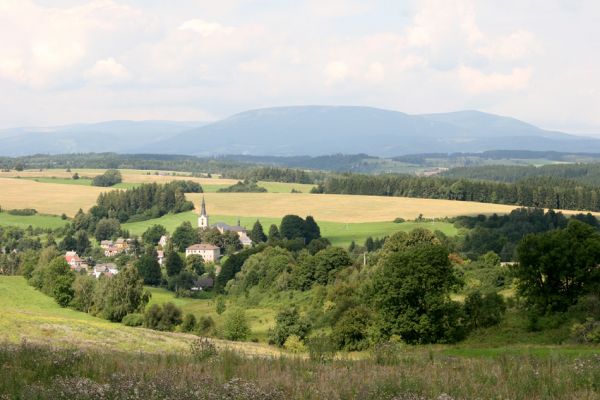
[(203, 218), (203, 207)]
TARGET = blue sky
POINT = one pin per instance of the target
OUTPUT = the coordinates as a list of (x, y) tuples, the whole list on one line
[(64, 61)]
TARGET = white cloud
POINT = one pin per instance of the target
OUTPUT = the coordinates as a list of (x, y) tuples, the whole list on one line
[(205, 28), (336, 72), (107, 71), (476, 81), (517, 45)]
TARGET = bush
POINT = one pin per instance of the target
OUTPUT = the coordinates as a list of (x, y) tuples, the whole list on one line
[(236, 325), (483, 311), (163, 318), (202, 348), (134, 319), (587, 332), (399, 220), (287, 323), (109, 178), (205, 325), (294, 344), (189, 323)]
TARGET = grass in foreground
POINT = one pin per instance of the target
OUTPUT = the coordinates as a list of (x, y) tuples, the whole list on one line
[(33, 371)]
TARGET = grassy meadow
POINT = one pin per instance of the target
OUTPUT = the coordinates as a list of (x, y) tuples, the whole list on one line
[(48, 352), (340, 234), (36, 221)]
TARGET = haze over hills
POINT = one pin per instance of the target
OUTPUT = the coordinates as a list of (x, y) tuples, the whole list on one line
[(301, 130)]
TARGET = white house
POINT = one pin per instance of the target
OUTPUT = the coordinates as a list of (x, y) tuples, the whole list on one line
[(163, 241), (209, 252)]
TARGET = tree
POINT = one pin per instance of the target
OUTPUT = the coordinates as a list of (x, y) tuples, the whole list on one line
[(121, 294), (82, 242), (236, 325), (107, 228), (483, 311), (109, 178), (555, 268), (288, 322), (75, 176), (311, 229), (274, 233), (220, 305), (328, 261), (68, 243), (350, 331), (257, 234), (153, 234), (292, 227), (184, 236), (54, 279), (195, 263), (231, 242), (83, 292), (173, 263), (149, 269), (411, 292)]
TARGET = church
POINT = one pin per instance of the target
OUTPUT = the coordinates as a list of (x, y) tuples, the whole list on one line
[(204, 223)]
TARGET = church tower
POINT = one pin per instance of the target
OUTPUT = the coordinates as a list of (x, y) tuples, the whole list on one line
[(203, 218)]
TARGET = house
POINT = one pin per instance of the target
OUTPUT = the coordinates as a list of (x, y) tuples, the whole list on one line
[(204, 283), (209, 252), (163, 241), (105, 269), (75, 262), (122, 244), (160, 256), (112, 249)]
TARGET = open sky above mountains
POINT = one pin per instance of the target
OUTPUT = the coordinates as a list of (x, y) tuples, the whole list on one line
[(81, 61)]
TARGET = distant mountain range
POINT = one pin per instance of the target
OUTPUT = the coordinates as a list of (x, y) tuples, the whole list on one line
[(301, 130)]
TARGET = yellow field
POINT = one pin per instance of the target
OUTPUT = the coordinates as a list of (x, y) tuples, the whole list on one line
[(340, 208), (47, 198), (56, 198)]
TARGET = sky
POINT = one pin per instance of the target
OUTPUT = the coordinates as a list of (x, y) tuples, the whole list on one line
[(64, 61)]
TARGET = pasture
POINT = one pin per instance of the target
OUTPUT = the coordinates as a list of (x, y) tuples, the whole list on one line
[(36, 221), (340, 234)]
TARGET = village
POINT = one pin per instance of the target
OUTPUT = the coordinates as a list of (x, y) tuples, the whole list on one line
[(210, 253)]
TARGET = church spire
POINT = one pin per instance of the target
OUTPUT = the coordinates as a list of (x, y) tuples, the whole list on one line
[(203, 207)]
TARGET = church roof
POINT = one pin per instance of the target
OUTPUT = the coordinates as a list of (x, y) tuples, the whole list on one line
[(203, 207)]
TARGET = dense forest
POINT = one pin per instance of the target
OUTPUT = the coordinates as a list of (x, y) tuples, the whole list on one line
[(545, 192), (588, 174)]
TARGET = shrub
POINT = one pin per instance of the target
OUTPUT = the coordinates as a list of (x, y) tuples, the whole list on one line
[(294, 344), (134, 319), (189, 323), (202, 348), (163, 318), (399, 220), (586, 332), (205, 324), (236, 325), (109, 178), (288, 322)]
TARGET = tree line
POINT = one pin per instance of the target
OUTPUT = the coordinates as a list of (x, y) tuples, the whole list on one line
[(545, 192)]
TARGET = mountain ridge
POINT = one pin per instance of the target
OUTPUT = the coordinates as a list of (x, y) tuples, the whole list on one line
[(302, 130)]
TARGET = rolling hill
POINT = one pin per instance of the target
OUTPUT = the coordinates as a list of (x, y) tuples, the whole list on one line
[(302, 130)]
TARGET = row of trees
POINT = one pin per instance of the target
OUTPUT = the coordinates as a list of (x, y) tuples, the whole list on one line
[(545, 192), (109, 178)]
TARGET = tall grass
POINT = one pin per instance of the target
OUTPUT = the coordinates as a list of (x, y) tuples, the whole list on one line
[(35, 371)]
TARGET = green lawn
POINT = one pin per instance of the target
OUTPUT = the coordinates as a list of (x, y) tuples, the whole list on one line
[(339, 233), (80, 181), (36, 221)]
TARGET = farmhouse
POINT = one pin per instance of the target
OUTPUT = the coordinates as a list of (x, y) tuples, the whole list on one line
[(209, 252), (75, 262), (112, 249), (203, 222)]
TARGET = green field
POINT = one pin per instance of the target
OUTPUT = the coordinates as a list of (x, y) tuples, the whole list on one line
[(80, 182), (36, 221), (272, 187), (340, 234)]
